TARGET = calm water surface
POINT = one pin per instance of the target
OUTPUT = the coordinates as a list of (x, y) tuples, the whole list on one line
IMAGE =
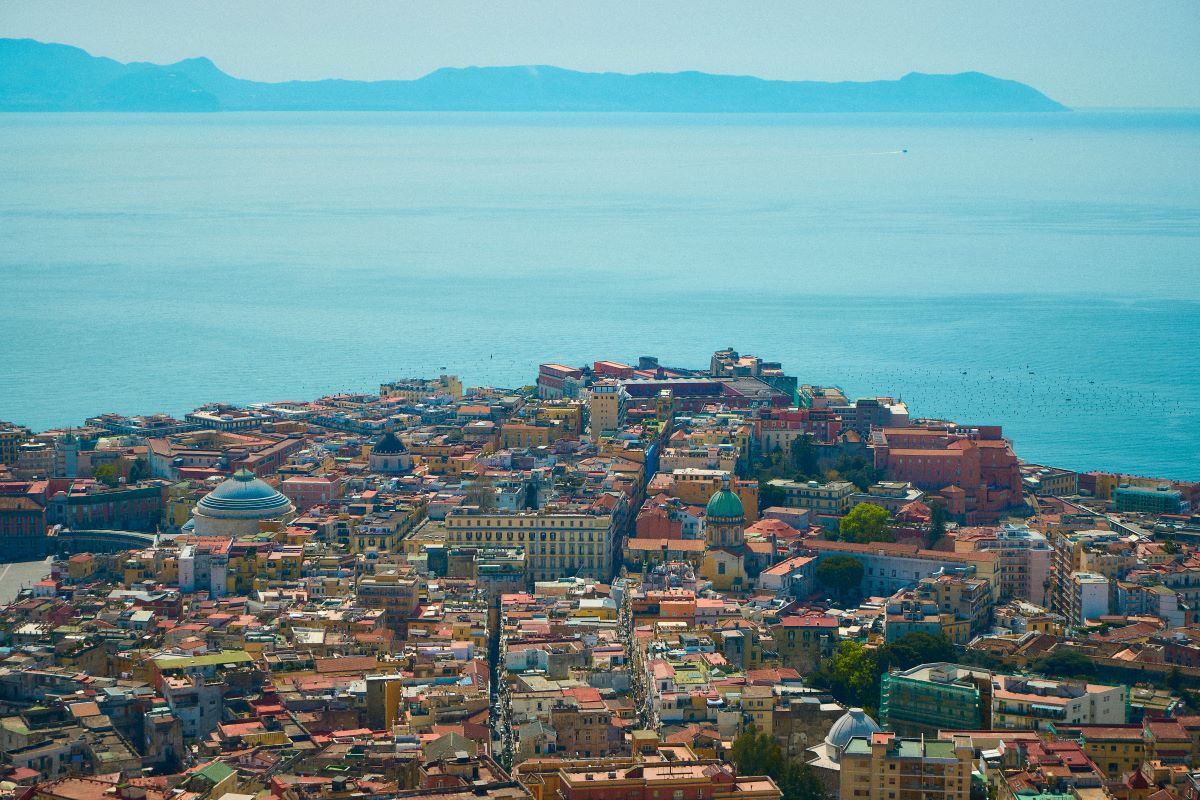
[(1039, 271)]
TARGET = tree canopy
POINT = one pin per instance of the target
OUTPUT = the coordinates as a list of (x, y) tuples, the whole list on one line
[(915, 648), (866, 523), (853, 674), (138, 470), (770, 495), (840, 574), (937, 521), (855, 469), (1066, 664), (757, 753), (803, 457), (106, 474)]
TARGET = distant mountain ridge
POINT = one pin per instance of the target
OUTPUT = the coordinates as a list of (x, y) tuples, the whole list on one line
[(36, 76)]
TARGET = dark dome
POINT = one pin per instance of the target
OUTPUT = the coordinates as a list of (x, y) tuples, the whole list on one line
[(389, 445)]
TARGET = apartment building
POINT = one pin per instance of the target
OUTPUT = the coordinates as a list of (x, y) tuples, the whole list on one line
[(884, 766), (1034, 703), (691, 780), (831, 499), (932, 697), (1088, 597), (1025, 559), (607, 401), (557, 543)]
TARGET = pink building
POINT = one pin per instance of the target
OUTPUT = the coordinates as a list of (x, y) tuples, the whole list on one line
[(306, 492)]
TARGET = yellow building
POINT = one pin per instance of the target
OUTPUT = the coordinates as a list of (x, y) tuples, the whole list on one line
[(181, 499), (1105, 483), (11, 437), (758, 702), (395, 592), (885, 767), (595, 608), (726, 570), (696, 486), (310, 466), (283, 565), (383, 531), (1116, 749), (244, 565), (88, 656), (803, 640), (1024, 616), (567, 412), (81, 566), (429, 533), (384, 695), (740, 437), (1111, 565), (606, 407), (521, 434), (557, 543), (153, 564), (833, 498), (449, 459)]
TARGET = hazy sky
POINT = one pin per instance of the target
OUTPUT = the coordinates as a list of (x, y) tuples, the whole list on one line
[(1081, 52)]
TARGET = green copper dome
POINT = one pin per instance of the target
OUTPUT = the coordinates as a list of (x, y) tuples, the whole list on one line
[(724, 503)]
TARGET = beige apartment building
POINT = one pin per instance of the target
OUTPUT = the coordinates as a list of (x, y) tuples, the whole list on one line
[(556, 543), (886, 767)]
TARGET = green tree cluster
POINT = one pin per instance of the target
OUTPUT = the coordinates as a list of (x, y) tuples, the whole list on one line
[(802, 462), (799, 463), (913, 649), (755, 753), (106, 474), (866, 523), (769, 495), (842, 575), (937, 522), (139, 470), (803, 458), (853, 674), (856, 469), (1066, 664)]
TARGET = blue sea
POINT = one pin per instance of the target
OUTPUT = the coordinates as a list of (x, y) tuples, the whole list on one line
[(1037, 271)]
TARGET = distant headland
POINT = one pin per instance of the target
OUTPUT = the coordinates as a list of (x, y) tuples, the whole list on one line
[(37, 76)]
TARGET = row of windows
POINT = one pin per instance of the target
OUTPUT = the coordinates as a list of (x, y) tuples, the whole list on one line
[(486, 536), (507, 522), (883, 573)]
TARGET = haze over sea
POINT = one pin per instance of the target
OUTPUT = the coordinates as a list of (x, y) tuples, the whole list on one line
[(1033, 270)]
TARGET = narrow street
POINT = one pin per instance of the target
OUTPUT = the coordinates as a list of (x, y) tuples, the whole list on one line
[(625, 629)]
